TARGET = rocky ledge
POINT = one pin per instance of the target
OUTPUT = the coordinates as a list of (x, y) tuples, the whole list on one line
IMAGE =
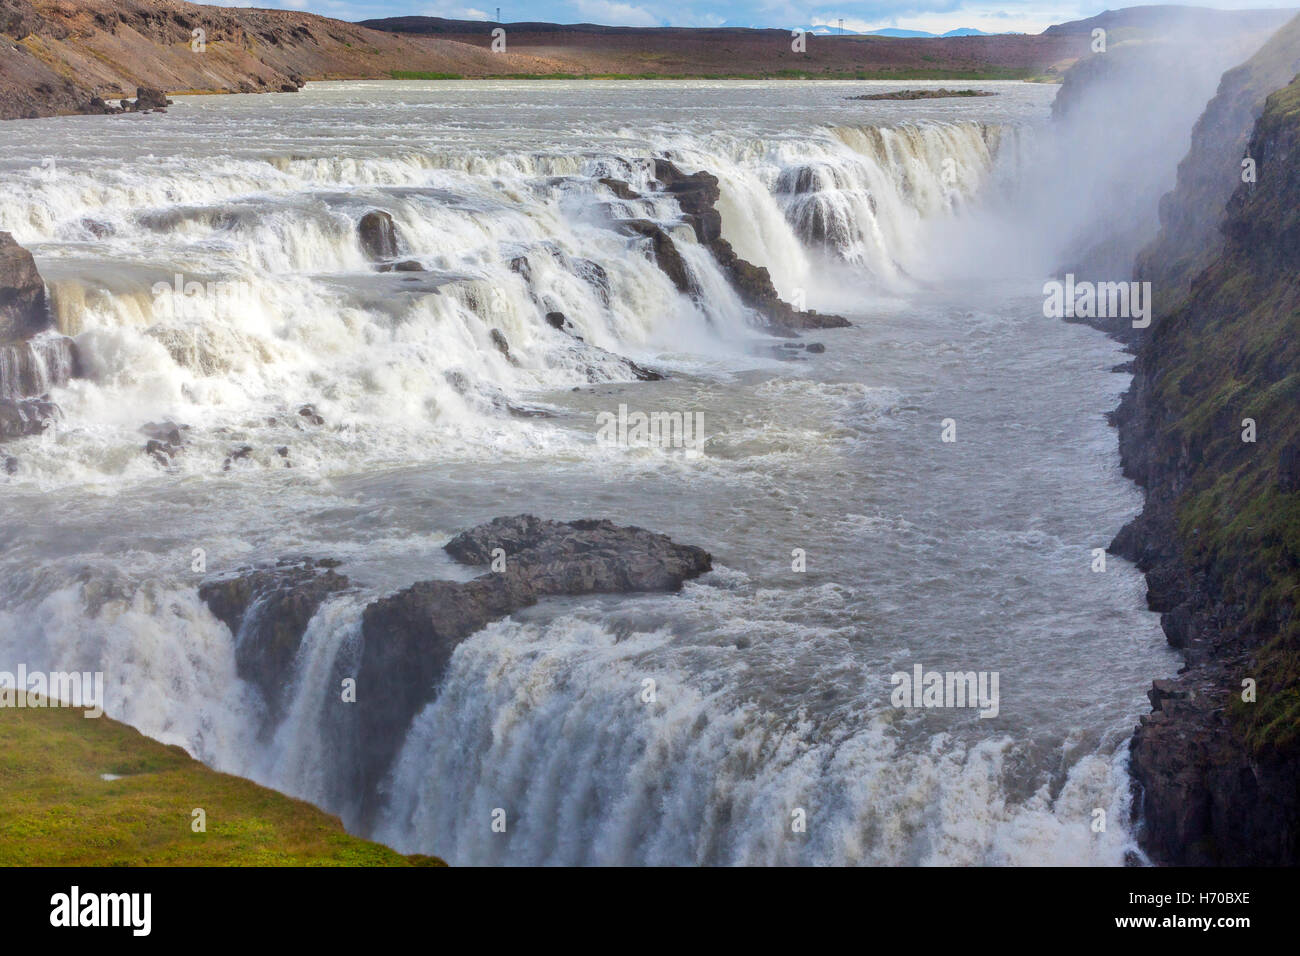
[(407, 638), (697, 194)]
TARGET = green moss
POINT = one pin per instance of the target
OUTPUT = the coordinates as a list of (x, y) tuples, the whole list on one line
[(57, 808)]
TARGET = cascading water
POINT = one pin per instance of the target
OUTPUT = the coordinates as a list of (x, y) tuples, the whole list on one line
[(225, 289)]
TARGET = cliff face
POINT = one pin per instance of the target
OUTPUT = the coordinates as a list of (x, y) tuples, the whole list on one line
[(1191, 215), (1209, 428)]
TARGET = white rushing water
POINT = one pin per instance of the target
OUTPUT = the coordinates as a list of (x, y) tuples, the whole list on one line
[(207, 262)]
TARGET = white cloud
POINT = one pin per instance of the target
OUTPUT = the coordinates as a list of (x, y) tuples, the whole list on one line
[(452, 11), (615, 14)]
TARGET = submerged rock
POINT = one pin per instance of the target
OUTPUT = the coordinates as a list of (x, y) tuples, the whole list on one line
[(24, 418), (378, 235)]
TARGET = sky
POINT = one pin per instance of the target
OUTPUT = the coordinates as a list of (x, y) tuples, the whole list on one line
[(935, 16)]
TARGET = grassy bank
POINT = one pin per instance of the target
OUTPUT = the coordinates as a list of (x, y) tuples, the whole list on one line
[(95, 792)]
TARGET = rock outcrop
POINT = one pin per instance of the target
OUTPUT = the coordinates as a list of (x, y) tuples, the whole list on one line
[(33, 359), (697, 195), (267, 610), (408, 637)]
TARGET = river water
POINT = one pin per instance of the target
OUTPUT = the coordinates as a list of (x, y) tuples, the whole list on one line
[(769, 735)]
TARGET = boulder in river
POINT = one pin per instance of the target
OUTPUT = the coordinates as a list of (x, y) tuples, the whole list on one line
[(150, 98), (23, 311), (378, 235)]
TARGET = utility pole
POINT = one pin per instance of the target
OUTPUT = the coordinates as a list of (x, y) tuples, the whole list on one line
[(498, 14)]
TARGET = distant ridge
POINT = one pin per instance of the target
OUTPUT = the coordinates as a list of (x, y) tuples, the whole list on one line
[(1161, 18)]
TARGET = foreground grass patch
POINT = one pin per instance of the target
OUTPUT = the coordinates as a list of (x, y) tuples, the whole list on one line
[(57, 808)]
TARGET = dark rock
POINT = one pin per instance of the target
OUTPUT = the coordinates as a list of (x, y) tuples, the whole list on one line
[(10, 465), (409, 265), (24, 418), (267, 610), (556, 320), (35, 366), (620, 189), (100, 230), (149, 98), (237, 454), (499, 340), (23, 311), (520, 265), (408, 637), (697, 195), (165, 440), (378, 235), (310, 415), (666, 254)]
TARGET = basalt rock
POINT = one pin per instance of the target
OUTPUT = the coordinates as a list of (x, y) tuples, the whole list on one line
[(408, 637)]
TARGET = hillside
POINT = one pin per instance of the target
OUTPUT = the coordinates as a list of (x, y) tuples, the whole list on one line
[(1167, 20), (94, 792), (55, 55), (589, 49)]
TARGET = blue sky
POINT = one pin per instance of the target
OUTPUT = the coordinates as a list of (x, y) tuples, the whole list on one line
[(937, 16)]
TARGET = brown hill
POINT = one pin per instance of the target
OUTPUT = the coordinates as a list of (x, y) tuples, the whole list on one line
[(730, 51), (57, 54)]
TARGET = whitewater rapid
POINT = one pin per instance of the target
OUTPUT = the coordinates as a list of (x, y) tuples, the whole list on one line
[(773, 685)]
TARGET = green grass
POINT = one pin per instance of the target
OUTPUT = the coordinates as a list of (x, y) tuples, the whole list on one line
[(57, 810)]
